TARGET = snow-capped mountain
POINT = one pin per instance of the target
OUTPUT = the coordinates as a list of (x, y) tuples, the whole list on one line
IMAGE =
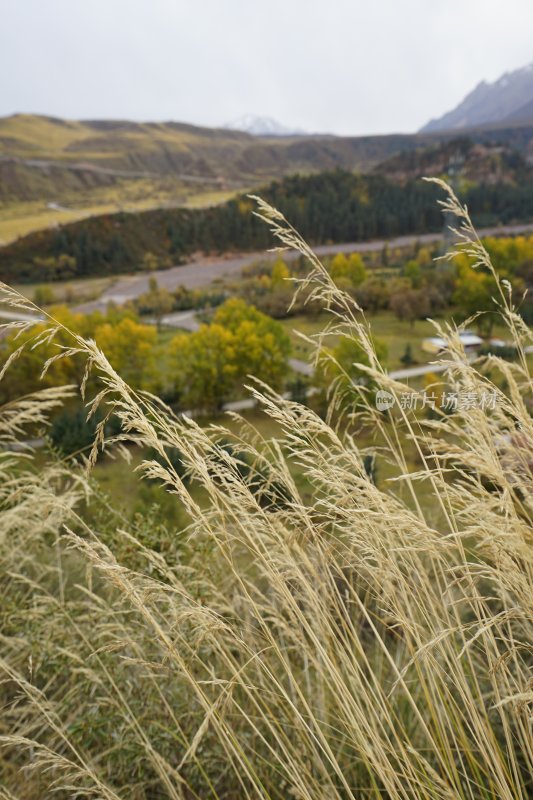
[(508, 99), (262, 126)]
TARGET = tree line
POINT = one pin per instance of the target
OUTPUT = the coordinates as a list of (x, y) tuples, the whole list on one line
[(327, 207), (199, 371)]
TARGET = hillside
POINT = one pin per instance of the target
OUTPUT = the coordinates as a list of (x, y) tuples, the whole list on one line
[(328, 207), (55, 171), (509, 99), (468, 161), (106, 152), (50, 158)]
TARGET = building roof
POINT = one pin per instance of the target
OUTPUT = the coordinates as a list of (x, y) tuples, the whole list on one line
[(468, 339)]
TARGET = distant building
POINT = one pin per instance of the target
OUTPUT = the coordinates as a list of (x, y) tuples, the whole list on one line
[(435, 344)]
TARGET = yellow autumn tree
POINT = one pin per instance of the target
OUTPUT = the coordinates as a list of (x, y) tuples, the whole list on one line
[(130, 349), (211, 365)]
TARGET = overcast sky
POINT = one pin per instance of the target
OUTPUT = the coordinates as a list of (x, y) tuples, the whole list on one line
[(342, 66)]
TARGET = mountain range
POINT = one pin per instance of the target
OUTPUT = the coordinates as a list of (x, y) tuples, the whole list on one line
[(56, 170), (70, 162), (52, 159), (509, 100)]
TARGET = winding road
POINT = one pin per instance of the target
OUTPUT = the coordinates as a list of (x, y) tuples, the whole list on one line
[(204, 271)]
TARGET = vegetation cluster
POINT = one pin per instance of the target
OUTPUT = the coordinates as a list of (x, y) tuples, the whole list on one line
[(327, 208), (304, 628)]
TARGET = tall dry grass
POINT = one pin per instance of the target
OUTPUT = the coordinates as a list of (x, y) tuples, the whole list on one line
[(340, 640)]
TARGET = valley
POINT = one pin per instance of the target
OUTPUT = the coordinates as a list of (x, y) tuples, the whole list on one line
[(266, 401), (97, 167)]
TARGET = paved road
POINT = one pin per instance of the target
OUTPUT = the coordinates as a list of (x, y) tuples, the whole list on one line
[(416, 372), (398, 375), (185, 320), (201, 273), (306, 369)]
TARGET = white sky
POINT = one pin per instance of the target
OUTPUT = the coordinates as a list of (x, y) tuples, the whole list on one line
[(342, 66)]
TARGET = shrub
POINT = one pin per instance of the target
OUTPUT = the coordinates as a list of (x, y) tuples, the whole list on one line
[(72, 433)]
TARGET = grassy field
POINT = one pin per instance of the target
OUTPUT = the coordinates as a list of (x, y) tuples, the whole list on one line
[(72, 292), (280, 624), (19, 219), (384, 326), (22, 218), (65, 170), (130, 495)]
